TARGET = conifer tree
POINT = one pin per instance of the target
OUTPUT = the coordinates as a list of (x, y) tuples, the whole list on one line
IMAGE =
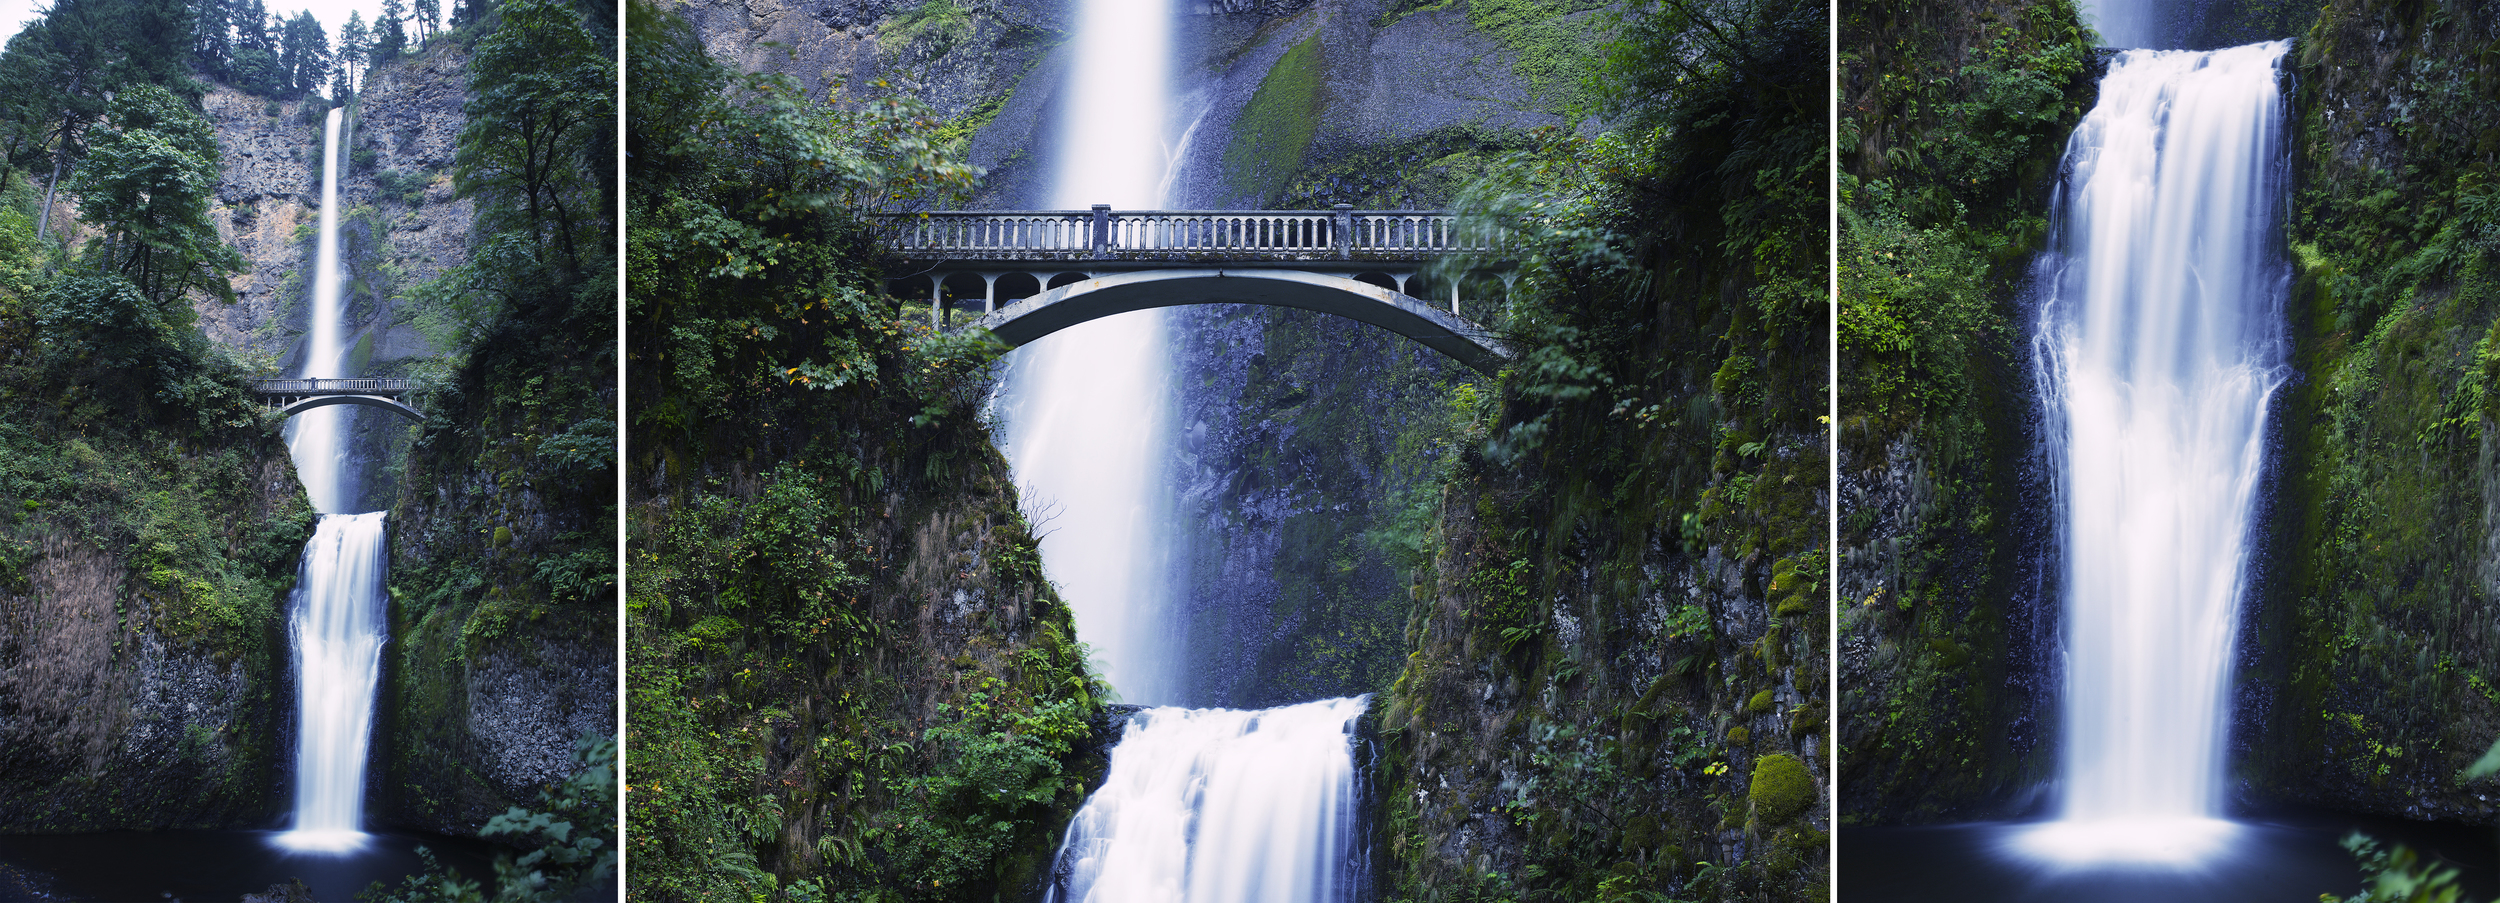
[(353, 43), (390, 38)]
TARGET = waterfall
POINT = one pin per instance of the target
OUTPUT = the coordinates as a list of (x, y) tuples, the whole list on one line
[(1088, 433), (1199, 805), (336, 614), (2161, 341), (1220, 806), (337, 628), (318, 437)]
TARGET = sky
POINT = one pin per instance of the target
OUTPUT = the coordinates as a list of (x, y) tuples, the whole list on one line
[(332, 13)]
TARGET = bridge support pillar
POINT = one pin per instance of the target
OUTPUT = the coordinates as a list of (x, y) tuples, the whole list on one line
[(937, 300), (989, 297)]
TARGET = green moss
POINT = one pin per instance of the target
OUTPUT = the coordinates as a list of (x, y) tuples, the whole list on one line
[(1760, 703), (1558, 43), (1739, 735), (930, 29), (1782, 789), (1275, 127)]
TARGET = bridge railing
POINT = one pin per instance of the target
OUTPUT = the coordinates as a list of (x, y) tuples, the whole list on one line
[(1183, 235), (386, 385)]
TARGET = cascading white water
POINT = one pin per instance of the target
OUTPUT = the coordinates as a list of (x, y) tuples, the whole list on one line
[(336, 614), (1088, 436), (1200, 805), (1220, 806), (2161, 341), (337, 628), (318, 437)]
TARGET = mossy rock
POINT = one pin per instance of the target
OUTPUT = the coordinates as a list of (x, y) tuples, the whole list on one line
[(1739, 735), (1781, 791), (1949, 654), (1807, 719), (1760, 703)]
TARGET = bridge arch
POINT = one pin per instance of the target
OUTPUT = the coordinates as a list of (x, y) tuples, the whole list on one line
[(301, 405), (1116, 293)]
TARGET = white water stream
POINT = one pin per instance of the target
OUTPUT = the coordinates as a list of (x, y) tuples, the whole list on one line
[(2161, 343), (1089, 436), (1200, 805), (336, 614), (337, 628), (1220, 806)]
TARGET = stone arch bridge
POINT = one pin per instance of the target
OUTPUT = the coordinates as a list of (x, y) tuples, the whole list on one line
[(1036, 272), (295, 396)]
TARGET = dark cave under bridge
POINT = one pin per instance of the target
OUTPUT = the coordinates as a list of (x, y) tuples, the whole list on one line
[(295, 396), (1059, 268)]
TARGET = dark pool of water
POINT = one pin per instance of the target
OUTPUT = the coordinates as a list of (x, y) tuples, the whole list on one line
[(2278, 859), (199, 866)]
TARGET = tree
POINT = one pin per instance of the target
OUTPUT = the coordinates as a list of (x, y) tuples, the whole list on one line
[(465, 13), (213, 46), (353, 44), (429, 15), (148, 189), (251, 26), (303, 55), (540, 103), (389, 37), (63, 66)]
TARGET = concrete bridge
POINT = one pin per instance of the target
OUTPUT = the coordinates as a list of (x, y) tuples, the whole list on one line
[(1036, 272), (295, 396)]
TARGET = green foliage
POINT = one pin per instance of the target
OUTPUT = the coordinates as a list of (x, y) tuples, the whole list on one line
[(997, 783), (1668, 310), (932, 28), (1426, 172), (789, 423), (2397, 295), (1558, 44), (147, 185), (570, 838), (536, 140), (2397, 876), (1953, 120)]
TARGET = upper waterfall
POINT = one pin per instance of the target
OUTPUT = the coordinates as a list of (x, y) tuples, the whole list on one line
[(2161, 342), (317, 437), (1089, 435)]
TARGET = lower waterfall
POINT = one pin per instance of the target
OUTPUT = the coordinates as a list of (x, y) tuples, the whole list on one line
[(1221, 806), (2161, 343), (336, 626)]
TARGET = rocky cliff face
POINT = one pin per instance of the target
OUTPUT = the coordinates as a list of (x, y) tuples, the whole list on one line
[(1368, 76), (401, 225), (2375, 658), (128, 701), (1304, 440), (1946, 630)]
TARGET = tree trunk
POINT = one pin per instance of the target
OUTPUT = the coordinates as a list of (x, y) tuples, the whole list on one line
[(45, 218)]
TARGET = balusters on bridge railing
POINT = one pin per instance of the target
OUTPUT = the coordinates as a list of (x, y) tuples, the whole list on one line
[(1101, 233)]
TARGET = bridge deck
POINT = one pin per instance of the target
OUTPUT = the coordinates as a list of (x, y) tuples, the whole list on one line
[(387, 387), (1194, 238)]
